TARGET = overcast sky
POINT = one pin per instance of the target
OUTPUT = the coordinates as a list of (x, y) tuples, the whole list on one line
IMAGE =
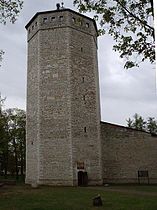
[(122, 92)]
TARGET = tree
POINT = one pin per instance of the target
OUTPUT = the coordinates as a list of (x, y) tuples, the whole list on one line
[(129, 22), (12, 140), (152, 125), (9, 10), (4, 139), (16, 130), (140, 124), (130, 123)]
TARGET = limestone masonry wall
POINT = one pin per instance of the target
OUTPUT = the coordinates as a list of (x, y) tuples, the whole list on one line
[(126, 151), (63, 113)]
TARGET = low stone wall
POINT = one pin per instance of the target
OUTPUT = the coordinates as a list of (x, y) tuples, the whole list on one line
[(126, 151)]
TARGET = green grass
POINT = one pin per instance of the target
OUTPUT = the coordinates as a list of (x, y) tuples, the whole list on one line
[(23, 197)]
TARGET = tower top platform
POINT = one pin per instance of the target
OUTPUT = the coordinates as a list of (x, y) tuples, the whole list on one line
[(60, 11)]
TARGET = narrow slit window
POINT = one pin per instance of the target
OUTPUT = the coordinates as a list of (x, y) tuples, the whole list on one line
[(85, 129), (80, 23), (81, 49), (84, 97), (83, 79), (87, 25), (73, 20), (35, 23), (32, 27)]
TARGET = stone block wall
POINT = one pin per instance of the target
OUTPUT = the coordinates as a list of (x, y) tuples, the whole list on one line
[(63, 90), (32, 126), (125, 152)]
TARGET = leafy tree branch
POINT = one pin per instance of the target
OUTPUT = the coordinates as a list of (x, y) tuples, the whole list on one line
[(9, 10), (129, 22)]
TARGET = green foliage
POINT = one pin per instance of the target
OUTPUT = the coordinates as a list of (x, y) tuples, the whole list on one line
[(1, 55), (140, 124), (9, 10), (12, 141), (130, 23), (152, 125)]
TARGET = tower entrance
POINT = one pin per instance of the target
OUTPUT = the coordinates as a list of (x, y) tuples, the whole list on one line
[(82, 178)]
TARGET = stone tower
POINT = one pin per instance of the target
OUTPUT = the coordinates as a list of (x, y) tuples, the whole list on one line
[(63, 113)]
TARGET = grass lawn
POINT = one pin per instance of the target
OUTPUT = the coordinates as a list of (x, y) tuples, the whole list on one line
[(22, 197)]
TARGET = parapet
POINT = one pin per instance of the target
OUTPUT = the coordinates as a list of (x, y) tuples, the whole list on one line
[(61, 18)]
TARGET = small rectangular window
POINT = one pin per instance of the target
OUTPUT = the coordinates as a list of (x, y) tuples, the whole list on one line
[(45, 19), (61, 18), (85, 129), (32, 27), (84, 97), (81, 49), (53, 18), (35, 23), (83, 79)]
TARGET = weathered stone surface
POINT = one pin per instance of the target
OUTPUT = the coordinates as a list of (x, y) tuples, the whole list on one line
[(63, 112), (125, 152)]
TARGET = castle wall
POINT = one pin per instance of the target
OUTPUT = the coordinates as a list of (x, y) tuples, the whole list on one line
[(126, 151)]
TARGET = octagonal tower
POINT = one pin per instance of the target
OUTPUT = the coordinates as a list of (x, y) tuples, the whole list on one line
[(63, 109)]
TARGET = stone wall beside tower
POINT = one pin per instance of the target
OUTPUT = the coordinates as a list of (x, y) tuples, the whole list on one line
[(127, 151), (63, 113)]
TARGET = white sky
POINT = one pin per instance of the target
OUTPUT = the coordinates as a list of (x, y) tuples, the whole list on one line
[(122, 92)]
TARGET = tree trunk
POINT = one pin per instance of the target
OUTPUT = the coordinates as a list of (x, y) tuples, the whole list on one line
[(16, 159), (21, 159), (152, 7)]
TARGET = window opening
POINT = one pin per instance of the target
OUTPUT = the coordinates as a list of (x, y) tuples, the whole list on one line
[(53, 18), (87, 25), (80, 23), (61, 18), (73, 20), (45, 19)]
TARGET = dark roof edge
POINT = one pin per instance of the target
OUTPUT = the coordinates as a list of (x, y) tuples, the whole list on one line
[(50, 11), (124, 127)]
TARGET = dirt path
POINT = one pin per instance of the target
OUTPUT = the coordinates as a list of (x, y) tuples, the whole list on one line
[(125, 191)]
